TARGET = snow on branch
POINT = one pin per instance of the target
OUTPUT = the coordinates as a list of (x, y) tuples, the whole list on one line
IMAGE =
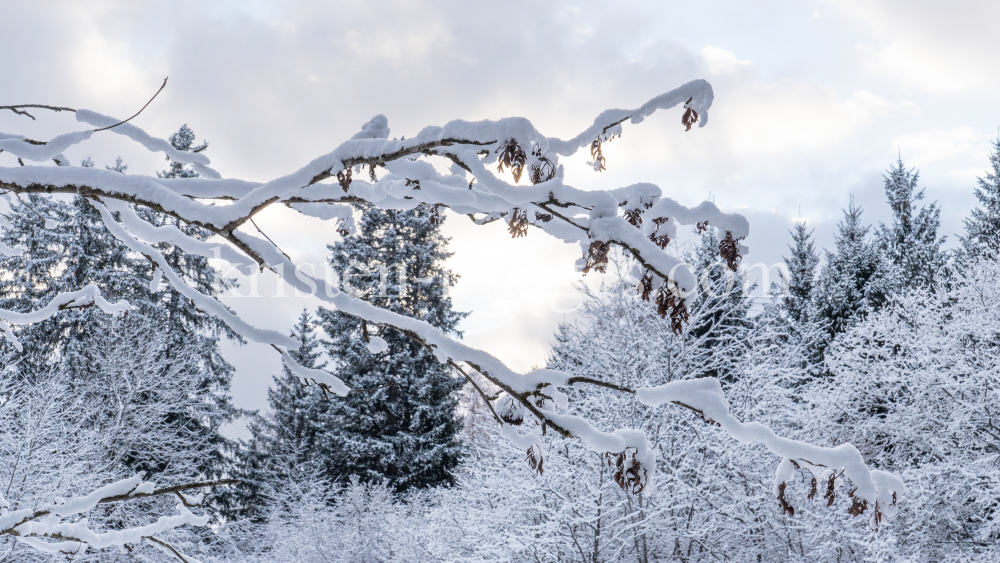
[(86, 297), (400, 174), (877, 489), (63, 521)]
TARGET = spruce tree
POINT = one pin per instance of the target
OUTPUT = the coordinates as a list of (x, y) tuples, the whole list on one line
[(288, 442), (910, 243), (982, 229), (400, 424), (78, 250), (720, 300), (855, 278), (801, 274)]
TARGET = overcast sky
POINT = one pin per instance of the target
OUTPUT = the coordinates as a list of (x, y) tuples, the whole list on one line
[(813, 101)]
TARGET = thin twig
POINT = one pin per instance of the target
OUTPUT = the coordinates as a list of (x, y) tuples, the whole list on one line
[(162, 86), (269, 240), (476, 385), (40, 106), (18, 196)]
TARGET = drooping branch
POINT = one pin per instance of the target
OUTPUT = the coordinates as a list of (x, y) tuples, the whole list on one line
[(637, 218)]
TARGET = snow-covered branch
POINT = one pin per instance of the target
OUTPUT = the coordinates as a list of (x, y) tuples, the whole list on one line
[(64, 520), (401, 174)]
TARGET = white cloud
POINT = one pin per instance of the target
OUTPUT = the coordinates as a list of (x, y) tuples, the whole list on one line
[(793, 117), (943, 48), (932, 145), (721, 61)]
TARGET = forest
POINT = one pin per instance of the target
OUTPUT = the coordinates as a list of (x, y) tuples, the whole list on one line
[(845, 414)]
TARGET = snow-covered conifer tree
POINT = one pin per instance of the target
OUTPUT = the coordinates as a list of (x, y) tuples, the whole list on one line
[(911, 242), (801, 280), (400, 424), (76, 251), (290, 439), (982, 228), (720, 298), (855, 277), (914, 387)]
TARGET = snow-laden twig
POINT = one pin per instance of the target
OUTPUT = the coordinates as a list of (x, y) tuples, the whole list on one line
[(62, 520)]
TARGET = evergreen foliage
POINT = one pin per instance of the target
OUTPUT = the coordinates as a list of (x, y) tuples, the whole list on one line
[(910, 243), (854, 280), (982, 228), (721, 297), (289, 442), (801, 274), (400, 424), (77, 251)]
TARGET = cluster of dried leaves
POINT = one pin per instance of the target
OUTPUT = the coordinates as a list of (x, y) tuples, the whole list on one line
[(831, 493), (858, 505), (342, 228), (669, 304), (434, 215), (512, 156), (597, 257), (544, 170), (690, 117), (598, 155), (629, 473), (534, 462), (729, 250), (857, 508), (518, 226), (785, 507), (511, 411), (661, 240), (666, 303), (344, 178)]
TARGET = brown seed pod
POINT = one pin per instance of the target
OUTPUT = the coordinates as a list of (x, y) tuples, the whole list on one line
[(785, 507), (729, 250), (344, 178), (534, 462), (597, 257), (435, 215), (598, 155), (831, 493), (513, 157), (690, 116), (518, 226)]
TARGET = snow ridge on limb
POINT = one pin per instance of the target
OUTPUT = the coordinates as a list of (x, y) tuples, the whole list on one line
[(202, 301), (873, 487), (697, 95), (86, 297), (637, 218), (60, 520)]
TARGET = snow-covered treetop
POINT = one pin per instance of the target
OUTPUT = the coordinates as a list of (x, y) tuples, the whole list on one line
[(489, 160)]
